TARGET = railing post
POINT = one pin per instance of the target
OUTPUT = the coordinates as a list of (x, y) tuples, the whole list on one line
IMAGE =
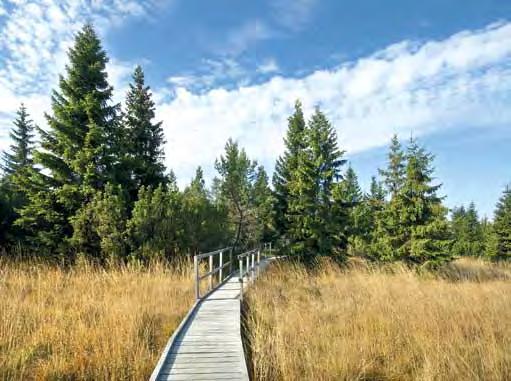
[(248, 268), (221, 267), (196, 272), (210, 271), (252, 269), (241, 279), (230, 261), (258, 261)]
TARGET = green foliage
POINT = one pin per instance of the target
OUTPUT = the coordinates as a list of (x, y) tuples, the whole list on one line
[(144, 139), (234, 185), (500, 239), (315, 212), (78, 151), (263, 204), (204, 223), (467, 232), (99, 226), (154, 229), (22, 136), (412, 226), (287, 165), (395, 173)]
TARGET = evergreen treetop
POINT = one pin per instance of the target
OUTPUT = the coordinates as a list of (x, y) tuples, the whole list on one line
[(22, 135)]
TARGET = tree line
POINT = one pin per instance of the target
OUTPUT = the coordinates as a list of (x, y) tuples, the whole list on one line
[(94, 185)]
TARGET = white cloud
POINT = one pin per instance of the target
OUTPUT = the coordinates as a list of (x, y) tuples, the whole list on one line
[(462, 81), (34, 38), (268, 66)]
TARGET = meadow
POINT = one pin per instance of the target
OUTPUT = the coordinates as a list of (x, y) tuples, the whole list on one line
[(86, 322), (364, 322)]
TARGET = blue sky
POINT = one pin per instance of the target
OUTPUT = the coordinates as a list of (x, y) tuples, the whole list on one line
[(437, 69)]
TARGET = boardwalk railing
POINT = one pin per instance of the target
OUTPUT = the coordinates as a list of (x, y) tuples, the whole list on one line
[(216, 264), (213, 257), (207, 344)]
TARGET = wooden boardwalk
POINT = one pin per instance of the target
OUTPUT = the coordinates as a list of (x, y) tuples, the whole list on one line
[(208, 345)]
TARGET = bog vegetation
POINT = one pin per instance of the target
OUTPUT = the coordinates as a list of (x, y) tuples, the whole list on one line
[(86, 323), (366, 322)]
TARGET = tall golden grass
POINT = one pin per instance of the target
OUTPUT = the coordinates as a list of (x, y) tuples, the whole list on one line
[(371, 323), (88, 323)]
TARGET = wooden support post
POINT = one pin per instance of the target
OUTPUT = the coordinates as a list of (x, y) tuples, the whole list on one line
[(210, 270), (252, 269), (248, 268), (230, 261), (241, 279), (258, 261), (220, 276), (196, 272)]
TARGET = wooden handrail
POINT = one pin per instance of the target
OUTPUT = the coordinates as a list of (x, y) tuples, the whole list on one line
[(248, 267)]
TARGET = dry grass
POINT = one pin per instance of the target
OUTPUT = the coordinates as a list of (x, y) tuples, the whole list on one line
[(87, 323), (366, 323)]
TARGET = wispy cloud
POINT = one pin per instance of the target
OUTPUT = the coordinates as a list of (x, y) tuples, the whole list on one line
[(268, 66), (34, 38), (462, 81), (241, 38)]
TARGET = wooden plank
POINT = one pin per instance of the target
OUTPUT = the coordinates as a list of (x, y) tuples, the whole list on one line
[(207, 345)]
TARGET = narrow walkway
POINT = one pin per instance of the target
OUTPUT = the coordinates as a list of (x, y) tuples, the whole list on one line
[(209, 346)]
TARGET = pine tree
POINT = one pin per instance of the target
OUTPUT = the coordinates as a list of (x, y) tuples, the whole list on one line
[(99, 227), (79, 151), (394, 175), (237, 173), (144, 138), (155, 229), (315, 216), (502, 228), (286, 166), (203, 222)]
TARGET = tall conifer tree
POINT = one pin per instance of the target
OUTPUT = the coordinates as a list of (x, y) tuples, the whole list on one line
[(144, 137), (394, 174), (22, 136), (80, 149), (315, 218), (286, 167)]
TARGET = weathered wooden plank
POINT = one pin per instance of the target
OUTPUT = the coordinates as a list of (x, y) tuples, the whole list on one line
[(208, 345)]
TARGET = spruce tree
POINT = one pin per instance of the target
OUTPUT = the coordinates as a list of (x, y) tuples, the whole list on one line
[(502, 227), (22, 136), (17, 167), (468, 238), (262, 200), (413, 227), (144, 143), (287, 165), (79, 150), (394, 174), (315, 216)]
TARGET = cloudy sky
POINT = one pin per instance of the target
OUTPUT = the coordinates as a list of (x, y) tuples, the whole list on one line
[(439, 70)]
